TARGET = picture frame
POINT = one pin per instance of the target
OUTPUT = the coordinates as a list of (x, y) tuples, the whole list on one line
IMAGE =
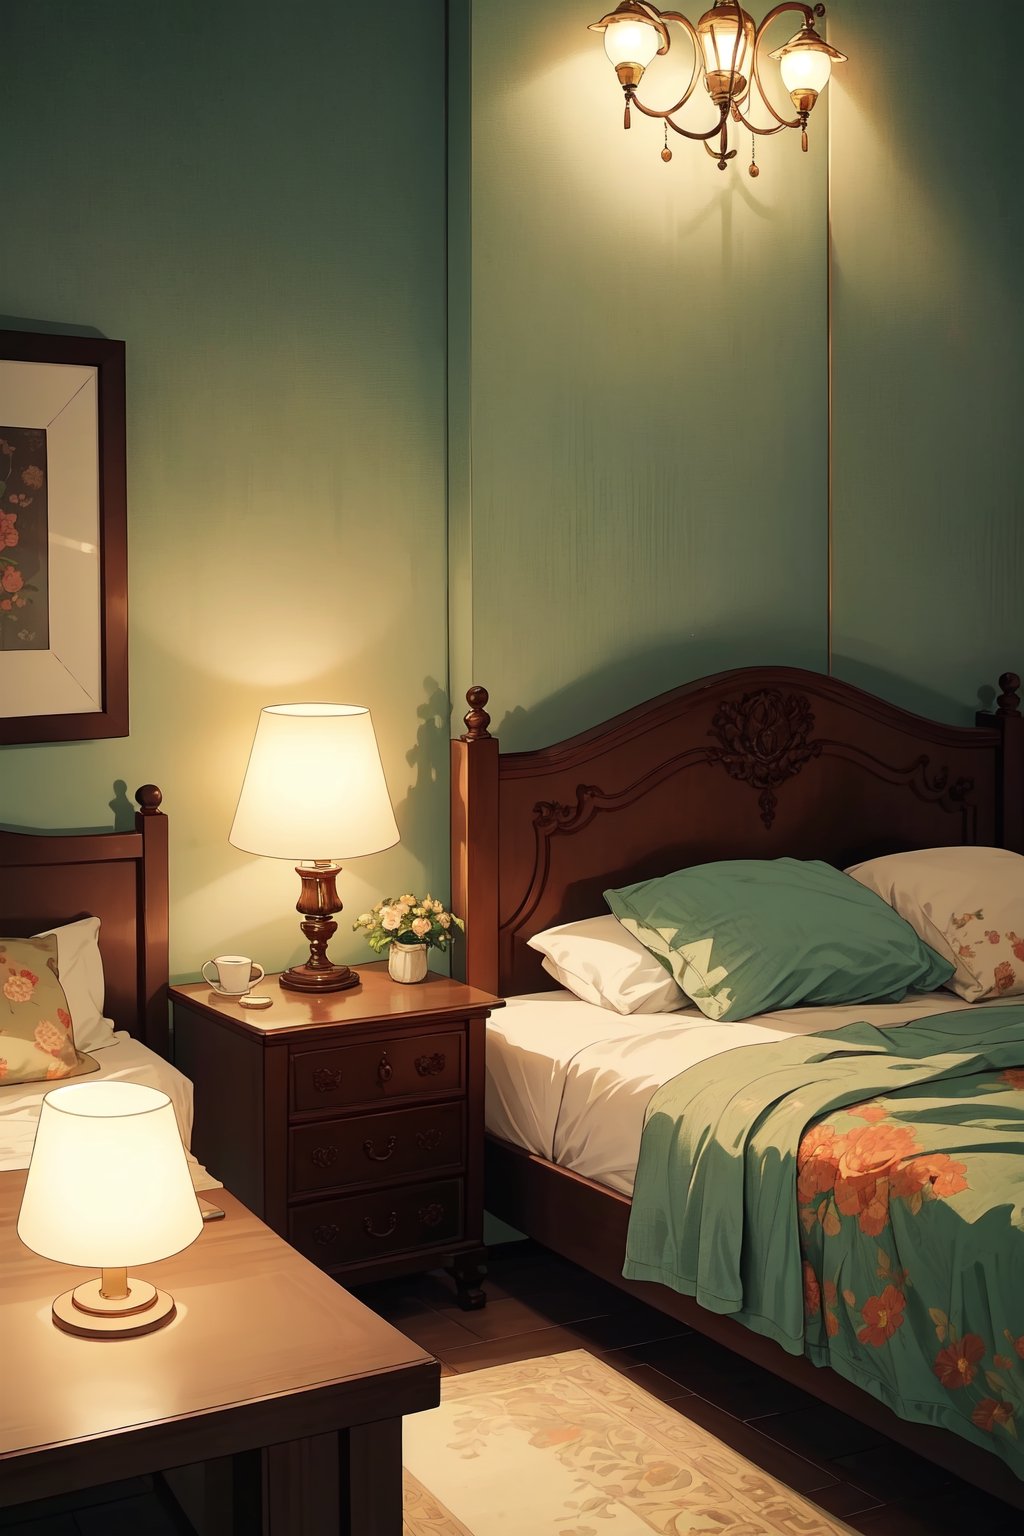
[(63, 539)]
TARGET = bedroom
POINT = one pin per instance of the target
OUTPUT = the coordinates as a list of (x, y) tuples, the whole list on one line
[(264, 224)]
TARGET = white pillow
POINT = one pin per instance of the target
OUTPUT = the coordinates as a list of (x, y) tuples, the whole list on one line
[(603, 963), (968, 904), (81, 975)]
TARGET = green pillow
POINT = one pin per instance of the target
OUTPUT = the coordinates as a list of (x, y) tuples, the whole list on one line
[(749, 936)]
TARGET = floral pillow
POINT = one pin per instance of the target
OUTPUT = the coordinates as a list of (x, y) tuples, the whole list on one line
[(968, 904), (37, 1042)]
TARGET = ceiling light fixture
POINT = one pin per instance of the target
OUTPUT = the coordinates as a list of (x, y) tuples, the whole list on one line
[(725, 45)]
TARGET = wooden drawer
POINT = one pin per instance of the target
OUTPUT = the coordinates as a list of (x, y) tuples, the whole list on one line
[(360, 1228), (367, 1072), (372, 1149)]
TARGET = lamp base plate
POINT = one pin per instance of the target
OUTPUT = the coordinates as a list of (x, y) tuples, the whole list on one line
[(303, 978), (86, 1312)]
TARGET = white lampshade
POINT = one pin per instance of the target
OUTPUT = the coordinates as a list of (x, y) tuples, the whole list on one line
[(631, 41), (805, 69), (314, 788), (108, 1185)]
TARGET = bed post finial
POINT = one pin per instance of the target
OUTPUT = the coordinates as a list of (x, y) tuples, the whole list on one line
[(149, 798), (1008, 702), (476, 719)]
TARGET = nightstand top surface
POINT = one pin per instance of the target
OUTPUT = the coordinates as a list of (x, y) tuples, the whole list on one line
[(376, 998)]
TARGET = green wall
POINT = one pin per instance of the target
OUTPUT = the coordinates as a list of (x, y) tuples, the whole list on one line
[(212, 184), (928, 335), (647, 387), (637, 395)]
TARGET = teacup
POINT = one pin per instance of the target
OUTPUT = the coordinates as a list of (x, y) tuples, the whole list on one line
[(233, 973)]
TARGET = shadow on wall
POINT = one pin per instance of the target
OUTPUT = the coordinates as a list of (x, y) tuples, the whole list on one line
[(427, 796), (633, 679), (621, 684)]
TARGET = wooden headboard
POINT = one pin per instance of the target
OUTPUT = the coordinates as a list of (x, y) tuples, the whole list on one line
[(49, 878), (762, 762)]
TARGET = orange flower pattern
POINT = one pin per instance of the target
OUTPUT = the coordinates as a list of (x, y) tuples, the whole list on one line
[(996, 973), (955, 1365), (882, 1316), (36, 1026), (852, 1173)]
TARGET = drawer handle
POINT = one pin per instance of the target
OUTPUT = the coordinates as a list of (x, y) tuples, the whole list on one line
[(379, 1157), (327, 1232), (429, 1141), (430, 1066), (368, 1227), (327, 1079), (324, 1157), (385, 1071), (430, 1215)]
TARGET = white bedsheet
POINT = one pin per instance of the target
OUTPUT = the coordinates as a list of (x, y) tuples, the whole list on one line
[(571, 1081), (127, 1058)]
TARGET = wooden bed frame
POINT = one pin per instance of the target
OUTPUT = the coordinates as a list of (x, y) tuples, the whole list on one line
[(761, 762), (49, 878)]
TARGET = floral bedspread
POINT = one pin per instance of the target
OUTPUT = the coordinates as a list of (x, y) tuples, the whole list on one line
[(859, 1197)]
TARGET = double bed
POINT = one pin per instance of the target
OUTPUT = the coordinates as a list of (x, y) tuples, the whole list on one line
[(56, 881), (758, 764)]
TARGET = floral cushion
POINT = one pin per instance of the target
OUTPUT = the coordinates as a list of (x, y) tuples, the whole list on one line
[(37, 1042), (968, 904)]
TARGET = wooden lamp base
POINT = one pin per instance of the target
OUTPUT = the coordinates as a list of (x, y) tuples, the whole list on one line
[(318, 901), (113, 1306)]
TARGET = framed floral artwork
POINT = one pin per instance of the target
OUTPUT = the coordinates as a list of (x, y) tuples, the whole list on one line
[(63, 539)]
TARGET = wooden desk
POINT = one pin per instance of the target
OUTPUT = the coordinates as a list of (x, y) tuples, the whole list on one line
[(266, 1352)]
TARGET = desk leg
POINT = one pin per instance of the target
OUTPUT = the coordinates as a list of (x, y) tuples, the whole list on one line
[(370, 1478)]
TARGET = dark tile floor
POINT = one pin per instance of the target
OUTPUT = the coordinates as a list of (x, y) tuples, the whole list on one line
[(539, 1304)]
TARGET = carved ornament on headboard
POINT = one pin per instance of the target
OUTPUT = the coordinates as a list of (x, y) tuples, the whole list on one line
[(765, 739)]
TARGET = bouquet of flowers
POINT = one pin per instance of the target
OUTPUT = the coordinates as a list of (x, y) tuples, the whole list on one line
[(408, 920)]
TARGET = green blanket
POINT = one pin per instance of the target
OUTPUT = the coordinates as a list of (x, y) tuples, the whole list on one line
[(858, 1196)]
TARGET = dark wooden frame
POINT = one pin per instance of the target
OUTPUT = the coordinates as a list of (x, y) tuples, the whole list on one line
[(107, 357), (48, 878), (762, 762)]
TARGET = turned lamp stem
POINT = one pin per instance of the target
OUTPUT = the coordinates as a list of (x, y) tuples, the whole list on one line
[(317, 903)]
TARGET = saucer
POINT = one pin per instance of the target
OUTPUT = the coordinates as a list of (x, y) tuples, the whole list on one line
[(223, 992)]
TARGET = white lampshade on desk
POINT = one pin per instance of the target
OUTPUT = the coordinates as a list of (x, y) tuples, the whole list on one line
[(108, 1187), (314, 792)]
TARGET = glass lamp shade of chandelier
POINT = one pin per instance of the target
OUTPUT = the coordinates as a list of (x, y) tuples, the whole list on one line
[(631, 40), (726, 35), (805, 64)]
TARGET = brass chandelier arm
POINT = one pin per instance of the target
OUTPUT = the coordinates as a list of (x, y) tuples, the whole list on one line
[(764, 133), (687, 133), (687, 26), (809, 13)]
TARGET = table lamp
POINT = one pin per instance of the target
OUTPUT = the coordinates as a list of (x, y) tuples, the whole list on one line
[(314, 786), (108, 1187)]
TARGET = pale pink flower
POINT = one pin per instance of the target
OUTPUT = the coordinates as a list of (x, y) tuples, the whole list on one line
[(420, 926), (391, 918), (11, 580)]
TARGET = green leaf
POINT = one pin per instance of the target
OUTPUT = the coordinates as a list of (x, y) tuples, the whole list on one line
[(996, 1382), (940, 1320)]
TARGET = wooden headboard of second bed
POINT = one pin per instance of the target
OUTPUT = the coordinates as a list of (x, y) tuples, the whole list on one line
[(49, 878), (762, 762)]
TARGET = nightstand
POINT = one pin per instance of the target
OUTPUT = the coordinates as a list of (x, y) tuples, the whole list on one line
[(352, 1123)]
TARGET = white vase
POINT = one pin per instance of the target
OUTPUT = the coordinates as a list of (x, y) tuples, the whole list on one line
[(407, 962)]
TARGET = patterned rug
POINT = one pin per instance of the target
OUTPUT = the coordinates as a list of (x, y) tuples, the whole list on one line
[(566, 1446)]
